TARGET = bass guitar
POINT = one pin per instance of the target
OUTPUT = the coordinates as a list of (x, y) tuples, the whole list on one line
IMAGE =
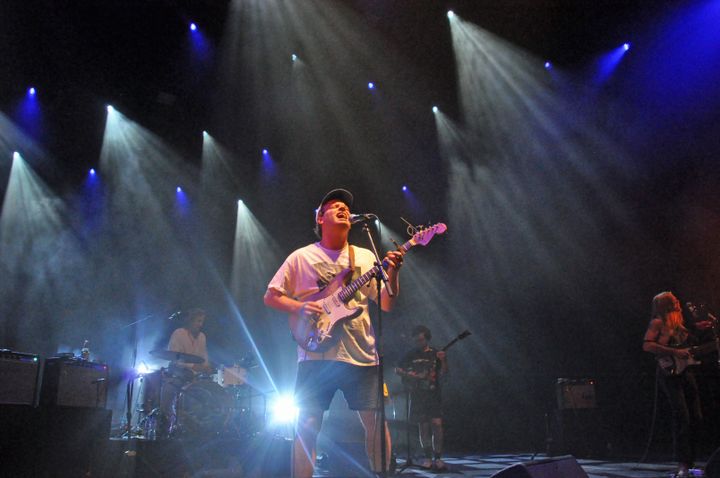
[(315, 333), (671, 365)]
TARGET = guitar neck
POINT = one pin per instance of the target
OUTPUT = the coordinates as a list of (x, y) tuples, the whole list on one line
[(347, 292)]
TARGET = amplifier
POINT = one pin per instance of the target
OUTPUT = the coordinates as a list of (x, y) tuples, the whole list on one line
[(71, 382), (575, 394), (18, 378)]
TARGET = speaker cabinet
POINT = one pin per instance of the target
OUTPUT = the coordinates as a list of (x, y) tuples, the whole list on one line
[(69, 382), (18, 378), (561, 467)]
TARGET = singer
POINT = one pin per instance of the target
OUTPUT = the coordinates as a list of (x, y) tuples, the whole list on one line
[(351, 364)]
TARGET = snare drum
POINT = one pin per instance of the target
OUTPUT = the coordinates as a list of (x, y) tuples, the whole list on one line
[(231, 376)]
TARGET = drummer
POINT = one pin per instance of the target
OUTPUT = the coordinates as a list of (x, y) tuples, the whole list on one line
[(189, 339)]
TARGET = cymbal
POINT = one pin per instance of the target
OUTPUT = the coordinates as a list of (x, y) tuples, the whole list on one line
[(176, 356)]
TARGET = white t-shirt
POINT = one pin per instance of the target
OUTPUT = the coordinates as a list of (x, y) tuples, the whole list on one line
[(309, 270), (182, 341)]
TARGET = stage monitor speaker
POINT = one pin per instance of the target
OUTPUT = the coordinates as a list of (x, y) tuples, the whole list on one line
[(18, 378), (561, 467), (69, 382)]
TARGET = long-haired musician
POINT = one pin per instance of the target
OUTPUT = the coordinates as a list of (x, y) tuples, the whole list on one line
[(667, 338)]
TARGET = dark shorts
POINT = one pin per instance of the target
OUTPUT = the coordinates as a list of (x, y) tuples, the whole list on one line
[(424, 405), (317, 381)]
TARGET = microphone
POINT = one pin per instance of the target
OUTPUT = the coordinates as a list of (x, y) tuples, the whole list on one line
[(175, 315), (355, 218)]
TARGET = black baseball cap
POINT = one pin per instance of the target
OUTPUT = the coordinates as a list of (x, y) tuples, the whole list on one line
[(342, 194)]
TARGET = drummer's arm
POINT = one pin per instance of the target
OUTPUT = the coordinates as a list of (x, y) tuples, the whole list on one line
[(204, 367)]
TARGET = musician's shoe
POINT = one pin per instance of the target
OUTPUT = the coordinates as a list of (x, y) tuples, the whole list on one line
[(682, 471), (439, 465), (426, 463)]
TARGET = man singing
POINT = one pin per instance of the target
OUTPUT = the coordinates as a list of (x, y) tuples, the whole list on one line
[(350, 363)]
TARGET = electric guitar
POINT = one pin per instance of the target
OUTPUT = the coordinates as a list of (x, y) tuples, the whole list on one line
[(315, 333), (671, 365)]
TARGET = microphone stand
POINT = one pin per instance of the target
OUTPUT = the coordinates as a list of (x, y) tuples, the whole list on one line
[(131, 378), (380, 277)]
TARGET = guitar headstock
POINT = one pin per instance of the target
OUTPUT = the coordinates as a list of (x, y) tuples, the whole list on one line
[(424, 236)]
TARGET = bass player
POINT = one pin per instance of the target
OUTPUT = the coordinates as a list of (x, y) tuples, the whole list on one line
[(421, 370), (350, 363)]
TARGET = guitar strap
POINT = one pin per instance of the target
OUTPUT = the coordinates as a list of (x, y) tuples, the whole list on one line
[(350, 277)]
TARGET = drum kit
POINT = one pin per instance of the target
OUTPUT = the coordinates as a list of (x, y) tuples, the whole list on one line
[(176, 402)]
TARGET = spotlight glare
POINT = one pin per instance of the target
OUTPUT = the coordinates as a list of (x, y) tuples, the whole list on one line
[(265, 152), (92, 171), (626, 46), (178, 189), (32, 91), (404, 188), (205, 133), (16, 155), (110, 109), (435, 109), (450, 14), (371, 85), (193, 27), (142, 369), (294, 57), (548, 65), (284, 409)]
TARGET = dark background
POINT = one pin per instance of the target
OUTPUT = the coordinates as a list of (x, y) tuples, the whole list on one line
[(570, 200)]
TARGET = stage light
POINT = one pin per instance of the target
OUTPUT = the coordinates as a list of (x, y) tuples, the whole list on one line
[(240, 202), (193, 27), (284, 410), (110, 109), (450, 14), (371, 86), (626, 46), (205, 133), (92, 171), (265, 152), (294, 57), (435, 109), (548, 65), (32, 91), (142, 369), (404, 188), (16, 155), (178, 189)]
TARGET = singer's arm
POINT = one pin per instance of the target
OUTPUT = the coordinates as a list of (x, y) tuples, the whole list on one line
[(394, 260)]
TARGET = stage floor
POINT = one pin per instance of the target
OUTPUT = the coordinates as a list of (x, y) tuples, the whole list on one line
[(483, 466)]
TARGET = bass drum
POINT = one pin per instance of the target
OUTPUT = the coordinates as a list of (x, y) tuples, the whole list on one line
[(204, 408)]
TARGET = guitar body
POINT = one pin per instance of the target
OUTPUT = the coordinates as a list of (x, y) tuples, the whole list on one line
[(670, 365), (315, 333)]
